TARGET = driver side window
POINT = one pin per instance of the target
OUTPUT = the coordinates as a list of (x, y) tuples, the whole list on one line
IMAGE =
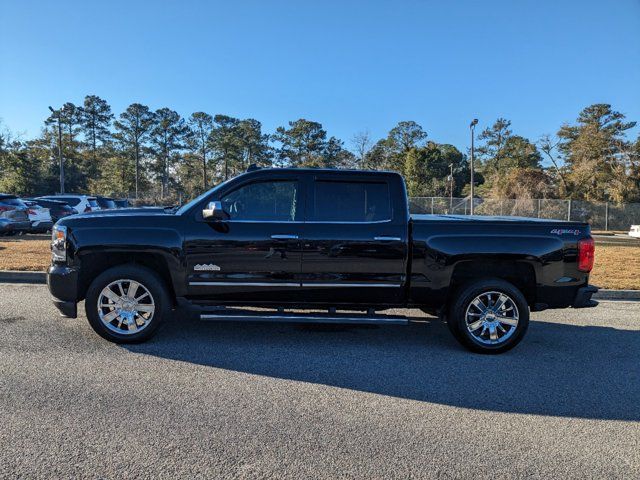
[(262, 201)]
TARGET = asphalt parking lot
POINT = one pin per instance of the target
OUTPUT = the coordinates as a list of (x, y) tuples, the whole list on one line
[(206, 400)]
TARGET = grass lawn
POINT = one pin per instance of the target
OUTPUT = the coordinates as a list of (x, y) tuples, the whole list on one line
[(615, 267)]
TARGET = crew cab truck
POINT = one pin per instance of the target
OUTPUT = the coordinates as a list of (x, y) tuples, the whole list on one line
[(337, 242)]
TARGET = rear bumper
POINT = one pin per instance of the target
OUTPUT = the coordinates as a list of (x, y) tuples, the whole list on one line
[(15, 226), (63, 285), (583, 297), (41, 225)]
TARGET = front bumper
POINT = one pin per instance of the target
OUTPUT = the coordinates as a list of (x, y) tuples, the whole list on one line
[(63, 285), (583, 297), (67, 309)]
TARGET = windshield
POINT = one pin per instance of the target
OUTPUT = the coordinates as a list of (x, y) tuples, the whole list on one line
[(199, 198)]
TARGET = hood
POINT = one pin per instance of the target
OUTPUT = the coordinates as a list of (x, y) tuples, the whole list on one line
[(123, 217), (134, 211)]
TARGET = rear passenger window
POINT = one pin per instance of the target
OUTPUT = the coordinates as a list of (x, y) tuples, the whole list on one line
[(351, 201)]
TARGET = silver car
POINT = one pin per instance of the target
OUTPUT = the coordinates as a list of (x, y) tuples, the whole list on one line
[(14, 215)]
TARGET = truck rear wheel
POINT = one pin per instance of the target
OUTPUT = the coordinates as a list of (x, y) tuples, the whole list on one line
[(126, 304), (489, 316)]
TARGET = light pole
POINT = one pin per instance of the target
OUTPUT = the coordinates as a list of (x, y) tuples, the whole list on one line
[(56, 114), (451, 189), (472, 127)]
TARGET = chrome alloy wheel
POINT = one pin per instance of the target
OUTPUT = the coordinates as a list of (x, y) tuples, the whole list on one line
[(125, 307), (492, 317)]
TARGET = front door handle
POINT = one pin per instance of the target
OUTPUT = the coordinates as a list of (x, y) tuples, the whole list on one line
[(387, 239), (284, 237)]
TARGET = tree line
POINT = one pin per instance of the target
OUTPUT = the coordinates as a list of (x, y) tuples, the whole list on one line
[(160, 156)]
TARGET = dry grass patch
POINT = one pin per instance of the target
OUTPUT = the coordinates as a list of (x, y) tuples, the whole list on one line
[(615, 267), (31, 255)]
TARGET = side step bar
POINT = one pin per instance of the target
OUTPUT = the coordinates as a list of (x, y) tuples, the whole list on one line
[(239, 315)]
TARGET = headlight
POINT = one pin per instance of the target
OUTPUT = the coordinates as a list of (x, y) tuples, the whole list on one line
[(59, 243)]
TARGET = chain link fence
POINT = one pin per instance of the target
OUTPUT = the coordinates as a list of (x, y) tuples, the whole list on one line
[(601, 215)]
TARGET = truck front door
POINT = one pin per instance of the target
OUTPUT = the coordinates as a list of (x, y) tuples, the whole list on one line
[(255, 254)]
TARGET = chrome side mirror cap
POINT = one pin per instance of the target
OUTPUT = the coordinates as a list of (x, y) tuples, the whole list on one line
[(213, 211)]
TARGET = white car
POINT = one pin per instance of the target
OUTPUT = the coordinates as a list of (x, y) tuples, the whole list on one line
[(82, 203), (39, 217), (635, 231)]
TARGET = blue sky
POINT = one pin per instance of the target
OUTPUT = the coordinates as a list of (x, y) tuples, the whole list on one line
[(351, 65)]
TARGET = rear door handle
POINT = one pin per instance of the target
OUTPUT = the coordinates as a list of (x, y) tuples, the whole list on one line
[(284, 237), (387, 239)]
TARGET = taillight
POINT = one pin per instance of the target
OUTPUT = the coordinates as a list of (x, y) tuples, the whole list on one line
[(4, 208), (31, 211), (586, 254)]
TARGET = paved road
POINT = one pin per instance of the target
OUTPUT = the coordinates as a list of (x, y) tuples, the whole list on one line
[(209, 400), (618, 240)]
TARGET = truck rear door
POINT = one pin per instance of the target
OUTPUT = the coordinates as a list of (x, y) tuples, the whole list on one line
[(355, 238)]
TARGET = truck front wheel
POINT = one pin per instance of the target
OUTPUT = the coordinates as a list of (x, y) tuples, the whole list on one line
[(489, 316), (126, 303)]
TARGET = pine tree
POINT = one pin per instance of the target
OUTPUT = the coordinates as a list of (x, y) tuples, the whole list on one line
[(167, 137), (132, 130), (95, 121), (200, 127), (593, 150)]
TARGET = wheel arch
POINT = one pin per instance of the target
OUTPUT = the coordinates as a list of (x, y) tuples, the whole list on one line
[(93, 263), (520, 274)]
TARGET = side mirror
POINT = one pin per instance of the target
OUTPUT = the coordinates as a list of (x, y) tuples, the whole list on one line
[(214, 211)]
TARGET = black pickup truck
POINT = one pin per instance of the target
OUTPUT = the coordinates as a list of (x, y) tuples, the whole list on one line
[(338, 242)]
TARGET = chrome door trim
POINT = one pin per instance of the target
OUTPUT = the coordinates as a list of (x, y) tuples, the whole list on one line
[(364, 222), (387, 239), (247, 284), (284, 237), (344, 285), (297, 284)]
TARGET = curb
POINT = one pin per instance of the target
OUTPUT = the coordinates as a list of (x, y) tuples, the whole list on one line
[(15, 276), (617, 295)]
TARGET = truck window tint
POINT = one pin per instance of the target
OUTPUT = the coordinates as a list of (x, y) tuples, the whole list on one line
[(260, 201), (351, 201)]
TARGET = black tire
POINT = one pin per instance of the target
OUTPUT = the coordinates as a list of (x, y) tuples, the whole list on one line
[(146, 278), (460, 306)]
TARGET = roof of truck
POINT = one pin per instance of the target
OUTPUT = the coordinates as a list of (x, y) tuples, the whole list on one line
[(321, 170)]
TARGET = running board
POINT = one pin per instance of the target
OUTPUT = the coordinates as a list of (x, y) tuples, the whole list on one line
[(237, 315)]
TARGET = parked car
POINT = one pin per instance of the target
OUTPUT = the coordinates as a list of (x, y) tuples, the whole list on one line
[(634, 231), (106, 203), (323, 240), (82, 203), (14, 216), (122, 203), (39, 217), (57, 208)]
